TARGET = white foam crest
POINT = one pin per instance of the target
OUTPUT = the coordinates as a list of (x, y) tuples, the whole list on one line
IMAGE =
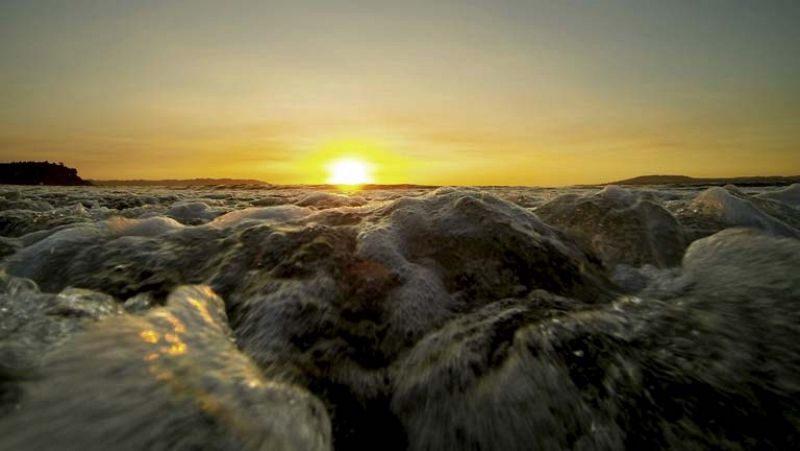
[(148, 227), (720, 204), (322, 199), (616, 195), (278, 213), (789, 195), (191, 211)]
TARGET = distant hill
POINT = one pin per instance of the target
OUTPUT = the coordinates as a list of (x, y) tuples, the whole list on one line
[(39, 173), (180, 182), (685, 180)]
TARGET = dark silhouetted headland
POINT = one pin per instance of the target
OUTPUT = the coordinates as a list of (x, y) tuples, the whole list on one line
[(39, 173)]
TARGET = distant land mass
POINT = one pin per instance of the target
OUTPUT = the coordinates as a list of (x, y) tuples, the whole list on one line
[(240, 182), (686, 180), (181, 182), (39, 173), (47, 173)]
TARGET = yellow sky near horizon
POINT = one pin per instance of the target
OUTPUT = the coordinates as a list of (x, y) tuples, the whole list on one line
[(452, 93)]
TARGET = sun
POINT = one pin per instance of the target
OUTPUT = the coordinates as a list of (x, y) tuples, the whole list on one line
[(349, 172)]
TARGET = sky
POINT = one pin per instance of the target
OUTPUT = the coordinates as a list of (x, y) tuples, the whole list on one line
[(432, 92)]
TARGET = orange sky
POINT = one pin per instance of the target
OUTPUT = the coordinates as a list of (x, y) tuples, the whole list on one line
[(460, 92)]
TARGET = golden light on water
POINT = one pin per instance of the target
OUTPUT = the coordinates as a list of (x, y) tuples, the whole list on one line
[(149, 336)]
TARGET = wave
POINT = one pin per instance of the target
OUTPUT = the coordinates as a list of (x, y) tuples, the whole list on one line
[(454, 318)]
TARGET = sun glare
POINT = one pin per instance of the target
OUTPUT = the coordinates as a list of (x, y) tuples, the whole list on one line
[(349, 172)]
